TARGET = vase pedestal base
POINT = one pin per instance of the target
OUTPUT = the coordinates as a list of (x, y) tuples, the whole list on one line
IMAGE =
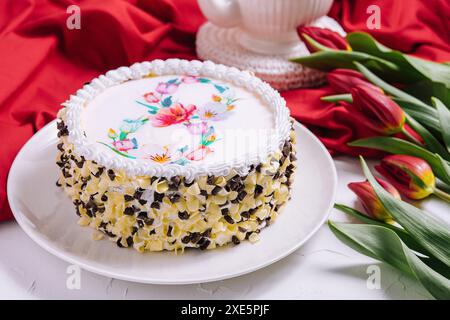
[(221, 45)]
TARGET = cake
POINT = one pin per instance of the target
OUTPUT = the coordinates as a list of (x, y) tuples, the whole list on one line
[(175, 154)]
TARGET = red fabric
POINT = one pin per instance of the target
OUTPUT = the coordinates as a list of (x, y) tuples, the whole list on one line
[(42, 61)]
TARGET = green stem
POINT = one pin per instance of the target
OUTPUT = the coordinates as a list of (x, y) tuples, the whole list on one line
[(441, 194), (410, 137), (347, 97)]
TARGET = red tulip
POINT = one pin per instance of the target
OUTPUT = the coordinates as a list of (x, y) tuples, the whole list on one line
[(343, 80), (325, 37), (366, 194), (412, 176), (376, 110)]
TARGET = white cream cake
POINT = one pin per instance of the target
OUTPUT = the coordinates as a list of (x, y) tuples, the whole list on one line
[(175, 154)]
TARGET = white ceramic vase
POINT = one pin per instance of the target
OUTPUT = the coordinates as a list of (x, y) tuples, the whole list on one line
[(268, 26)]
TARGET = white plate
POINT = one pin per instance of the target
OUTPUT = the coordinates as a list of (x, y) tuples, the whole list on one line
[(47, 215)]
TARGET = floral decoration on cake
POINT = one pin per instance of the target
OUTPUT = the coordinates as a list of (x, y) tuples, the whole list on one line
[(163, 110)]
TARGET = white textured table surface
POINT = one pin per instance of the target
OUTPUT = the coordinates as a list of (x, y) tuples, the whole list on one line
[(323, 268)]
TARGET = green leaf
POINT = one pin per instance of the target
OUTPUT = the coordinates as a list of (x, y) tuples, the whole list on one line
[(347, 97), (410, 242), (444, 120), (384, 244), (432, 233), (167, 102), (413, 69), (328, 60), (153, 108), (426, 89), (122, 135), (445, 167), (406, 238), (438, 72), (393, 91), (426, 115), (431, 142), (399, 146)]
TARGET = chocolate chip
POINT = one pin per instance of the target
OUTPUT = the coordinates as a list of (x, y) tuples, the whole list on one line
[(140, 223), (110, 234), (142, 215), (158, 196), (235, 240), (130, 241), (286, 149), (258, 168), (104, 198), (129, 211), (241, 229), (216, 190), (58, 184), (66, 174), (204, 243), (90, 204), (103, 225), (183, 215), (186, 239), (233, 185), (195, 237), (258, 190), (175, 180), (225, 211), (153, 179), (228, 219), (138, 193), (188, 183), (174, 198), (63, 132), (210, 180), (127, 197), (207, 233), (155, 205), (242, 195), (148, 221), (60, 125), (79, 164), (204, 193), (245, 214), (101, 209), (119, 243), (292, 157), (111, 174), (134, 230), (99, 172), (142, 202), (169, 231), (60, 147), (152, 232)]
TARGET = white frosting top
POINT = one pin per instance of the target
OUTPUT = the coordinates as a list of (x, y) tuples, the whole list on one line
[(177, 117)]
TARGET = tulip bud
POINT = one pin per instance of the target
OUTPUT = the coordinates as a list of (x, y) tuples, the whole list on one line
[(325, 37), (412, 176), (372, 205), (377, 111), (343, 80)]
